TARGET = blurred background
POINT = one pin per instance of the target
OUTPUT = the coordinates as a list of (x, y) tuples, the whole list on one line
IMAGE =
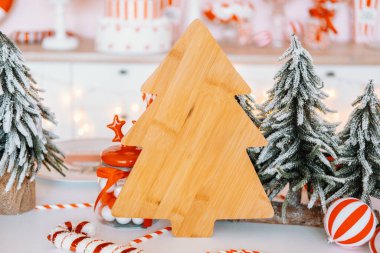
[(92, 56)]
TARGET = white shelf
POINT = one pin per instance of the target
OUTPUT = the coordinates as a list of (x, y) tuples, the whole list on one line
[(338, 54)]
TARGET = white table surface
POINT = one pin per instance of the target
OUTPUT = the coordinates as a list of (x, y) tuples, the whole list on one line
[(27, 232)]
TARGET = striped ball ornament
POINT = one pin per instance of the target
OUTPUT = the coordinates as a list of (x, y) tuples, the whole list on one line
[(349, 222), (374, 244)]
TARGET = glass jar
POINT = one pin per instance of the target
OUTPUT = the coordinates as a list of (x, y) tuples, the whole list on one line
[(117, 163), (315, 38), (374, 37), (279, 23), (230, 21)]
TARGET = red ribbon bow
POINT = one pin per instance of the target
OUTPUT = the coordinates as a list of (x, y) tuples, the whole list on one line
[(326, 16), (112, 175)]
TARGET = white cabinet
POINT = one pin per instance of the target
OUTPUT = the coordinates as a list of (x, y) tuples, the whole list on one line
[(102, 90), (85, 96), (56, 80), (342, 83), (259, 78)]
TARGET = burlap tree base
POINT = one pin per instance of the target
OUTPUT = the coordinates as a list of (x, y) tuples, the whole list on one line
[(17, 201), (300, 215)]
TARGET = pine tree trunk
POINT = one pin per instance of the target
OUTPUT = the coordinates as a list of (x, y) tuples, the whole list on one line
[(299, 215), (16, 201)]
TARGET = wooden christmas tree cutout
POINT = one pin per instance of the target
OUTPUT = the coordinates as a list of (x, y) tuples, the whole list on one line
[(194, 168)]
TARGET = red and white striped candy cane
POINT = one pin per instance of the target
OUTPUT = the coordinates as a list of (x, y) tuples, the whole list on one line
[(83, 227), (236, 251), (150, 236), (63, 206), (148, 99), (66, 237)]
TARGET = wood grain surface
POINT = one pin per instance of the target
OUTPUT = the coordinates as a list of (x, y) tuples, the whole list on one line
[(194, 168)]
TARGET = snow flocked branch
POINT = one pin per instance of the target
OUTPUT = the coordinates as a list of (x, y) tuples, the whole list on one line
[(300, 140), (359, 161), (24, 145)]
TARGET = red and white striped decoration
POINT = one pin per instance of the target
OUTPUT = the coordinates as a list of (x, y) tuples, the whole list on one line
[(367, 13), (83, 227), (294, 27), (229, 11), (136, 9), (63, 206), (350, 222), (374, 243), (236, 251), (150, 236), (148, 99), (32, 37), (64, 238), (5, 7), (262, 39)]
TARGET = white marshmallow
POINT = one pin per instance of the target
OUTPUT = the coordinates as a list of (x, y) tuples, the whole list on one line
[(123, 221), (138, 221), (117, 191), (106, 214)]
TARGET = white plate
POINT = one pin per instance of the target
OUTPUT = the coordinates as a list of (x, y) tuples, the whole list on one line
[(82, 159)]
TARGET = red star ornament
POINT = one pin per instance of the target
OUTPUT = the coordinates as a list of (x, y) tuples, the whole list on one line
[(116, 126)]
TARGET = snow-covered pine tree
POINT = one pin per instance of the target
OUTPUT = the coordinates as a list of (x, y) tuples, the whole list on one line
[(248, 103), (252, 109), (299, 138), (360, 150), (24, 145)]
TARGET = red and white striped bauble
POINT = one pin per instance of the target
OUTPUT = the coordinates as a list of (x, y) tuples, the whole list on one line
[(294, 27), (374, 244), (5, 6), (350, 222)]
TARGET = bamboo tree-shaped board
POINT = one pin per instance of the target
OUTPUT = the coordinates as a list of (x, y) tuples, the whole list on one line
[(194, 168)]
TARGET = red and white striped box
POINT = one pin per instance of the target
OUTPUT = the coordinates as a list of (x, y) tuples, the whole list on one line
[(137, 9), (367, 14)]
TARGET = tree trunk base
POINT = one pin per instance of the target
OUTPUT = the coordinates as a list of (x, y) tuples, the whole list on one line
[(295, 215), (17, 201)]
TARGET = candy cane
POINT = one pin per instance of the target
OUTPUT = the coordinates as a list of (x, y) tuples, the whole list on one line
[(63, 206), (150, 236), (75, 239), (84, 227), (236, 251)]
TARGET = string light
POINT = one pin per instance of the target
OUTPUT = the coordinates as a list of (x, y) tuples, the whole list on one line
[(86, 130), (135, 107), (66, 99), (331, 92), (80, 132), (78, 92), (47, 125), (78, 116), (117, 110)]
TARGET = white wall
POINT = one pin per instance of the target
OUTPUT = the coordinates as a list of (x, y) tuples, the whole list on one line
[(82, 16)]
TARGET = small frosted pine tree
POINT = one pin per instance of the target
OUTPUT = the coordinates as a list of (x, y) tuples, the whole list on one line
[(248, 103), (299, 138), (360, 150), (24, 144), (252, 109)]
